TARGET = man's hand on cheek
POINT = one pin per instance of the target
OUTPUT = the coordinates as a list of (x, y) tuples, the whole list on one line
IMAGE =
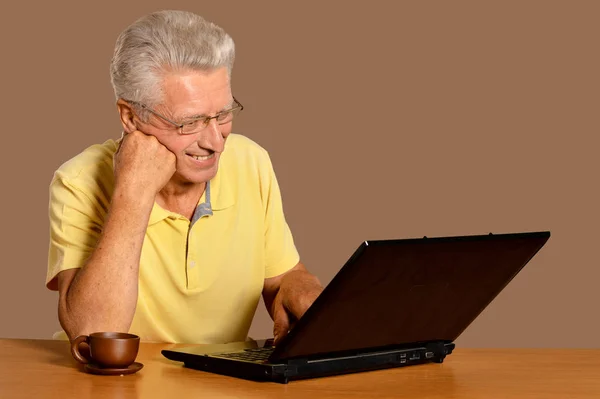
[(143, 164)]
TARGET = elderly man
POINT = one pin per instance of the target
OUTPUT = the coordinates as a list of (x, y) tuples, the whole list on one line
[(173, 231)]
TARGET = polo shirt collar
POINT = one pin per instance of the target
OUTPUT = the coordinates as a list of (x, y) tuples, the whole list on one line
[(217, 196)]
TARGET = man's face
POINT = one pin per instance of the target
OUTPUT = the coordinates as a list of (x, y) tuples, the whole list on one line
[(188, 95)]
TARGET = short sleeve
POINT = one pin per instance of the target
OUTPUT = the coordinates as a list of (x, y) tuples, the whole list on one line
[(75, 227), (281, 254)]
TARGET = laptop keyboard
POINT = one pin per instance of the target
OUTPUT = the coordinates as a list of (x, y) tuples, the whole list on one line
[(259, 355)]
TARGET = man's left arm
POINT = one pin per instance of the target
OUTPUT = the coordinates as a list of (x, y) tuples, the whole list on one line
[(288, 296)]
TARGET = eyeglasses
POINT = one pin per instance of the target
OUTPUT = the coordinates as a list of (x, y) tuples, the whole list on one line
[(196, 125)]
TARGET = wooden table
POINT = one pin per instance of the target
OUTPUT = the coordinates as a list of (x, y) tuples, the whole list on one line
[(45, 369)]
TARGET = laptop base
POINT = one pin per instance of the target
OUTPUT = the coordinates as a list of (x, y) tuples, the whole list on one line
[(297, 369)]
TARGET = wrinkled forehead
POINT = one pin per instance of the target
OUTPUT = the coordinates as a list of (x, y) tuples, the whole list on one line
[(189, 94)]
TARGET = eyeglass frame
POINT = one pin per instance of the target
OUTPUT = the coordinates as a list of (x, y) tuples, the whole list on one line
[(205, 118)]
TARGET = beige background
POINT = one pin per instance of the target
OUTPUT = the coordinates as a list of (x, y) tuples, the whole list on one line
[(384, 119)]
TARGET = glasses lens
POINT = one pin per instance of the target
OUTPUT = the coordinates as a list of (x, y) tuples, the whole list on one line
[(228, 116), (194, 126), (200, 124)]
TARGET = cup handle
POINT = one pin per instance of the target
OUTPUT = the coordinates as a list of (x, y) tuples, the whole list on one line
[(75, 348)]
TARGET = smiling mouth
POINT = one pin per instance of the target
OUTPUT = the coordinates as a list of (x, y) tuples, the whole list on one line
[(201, 157)]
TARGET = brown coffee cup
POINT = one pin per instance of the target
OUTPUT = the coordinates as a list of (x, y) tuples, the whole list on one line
[(107, 349)]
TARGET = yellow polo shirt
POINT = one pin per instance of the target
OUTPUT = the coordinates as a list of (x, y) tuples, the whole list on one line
[(200, 281)]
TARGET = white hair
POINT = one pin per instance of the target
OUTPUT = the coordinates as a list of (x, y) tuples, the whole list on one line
[(162, 42)]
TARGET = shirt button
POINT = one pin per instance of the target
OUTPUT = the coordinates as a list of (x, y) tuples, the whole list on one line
[(192, 264)]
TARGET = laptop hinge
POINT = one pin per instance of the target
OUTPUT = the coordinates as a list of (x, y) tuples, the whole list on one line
[(291, 368)]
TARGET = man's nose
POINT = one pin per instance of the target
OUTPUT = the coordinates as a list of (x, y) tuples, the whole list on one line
[(212, 137)]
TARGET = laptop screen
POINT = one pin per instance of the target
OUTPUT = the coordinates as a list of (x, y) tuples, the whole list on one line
[(401, 292)]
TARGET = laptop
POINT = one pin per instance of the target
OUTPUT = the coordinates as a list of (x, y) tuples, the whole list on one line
[(394, 303)]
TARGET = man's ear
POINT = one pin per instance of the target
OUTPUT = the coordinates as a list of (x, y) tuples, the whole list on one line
[(126, 115)]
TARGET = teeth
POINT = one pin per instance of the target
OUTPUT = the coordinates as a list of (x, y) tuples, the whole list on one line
[(202, 157)]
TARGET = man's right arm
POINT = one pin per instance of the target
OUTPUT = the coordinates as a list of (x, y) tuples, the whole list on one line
[(102, 295)]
